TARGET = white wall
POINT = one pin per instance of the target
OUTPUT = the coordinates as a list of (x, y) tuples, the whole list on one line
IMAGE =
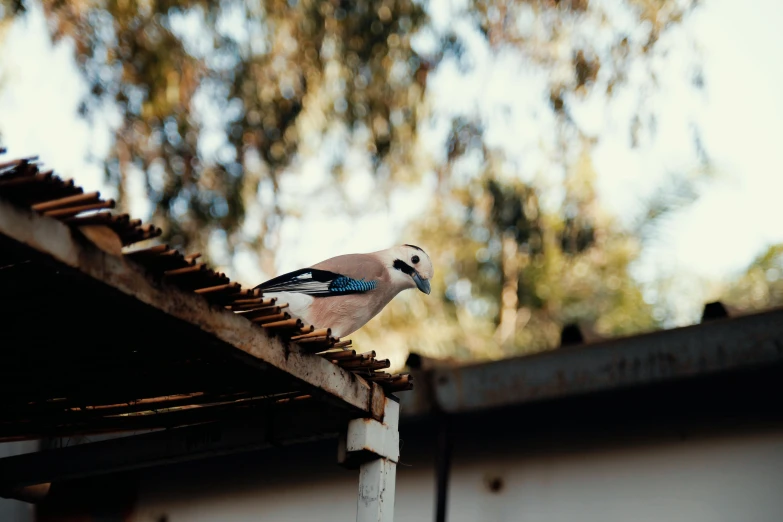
[(722, 480), (737, 478), (14, 510)]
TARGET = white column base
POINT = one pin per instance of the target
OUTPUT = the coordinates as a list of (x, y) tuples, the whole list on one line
[(375, 446), (377, 480)]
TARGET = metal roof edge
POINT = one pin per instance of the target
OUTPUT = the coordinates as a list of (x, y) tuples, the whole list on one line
[(679, 353)]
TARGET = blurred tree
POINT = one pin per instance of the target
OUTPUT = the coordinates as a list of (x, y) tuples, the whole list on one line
[(761, 285), (513, 274), (218, 101), (516, 270), (216, 98)]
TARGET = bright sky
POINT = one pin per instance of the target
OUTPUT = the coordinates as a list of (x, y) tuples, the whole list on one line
[(740, 115), (741, 120)]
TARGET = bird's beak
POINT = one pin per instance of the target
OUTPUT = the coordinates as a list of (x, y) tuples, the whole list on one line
[(421, 284)]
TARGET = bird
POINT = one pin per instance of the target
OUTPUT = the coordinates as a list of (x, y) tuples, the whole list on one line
[(344, 292)]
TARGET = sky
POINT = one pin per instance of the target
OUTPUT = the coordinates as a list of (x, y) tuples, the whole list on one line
[(739, 113), (741, 121)]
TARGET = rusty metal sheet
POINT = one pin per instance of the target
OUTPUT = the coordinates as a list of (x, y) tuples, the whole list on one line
[(378, 402), (55, 239), (656, 357)]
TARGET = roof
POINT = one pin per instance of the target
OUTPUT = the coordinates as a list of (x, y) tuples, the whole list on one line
[(718, 345), (100, 338)]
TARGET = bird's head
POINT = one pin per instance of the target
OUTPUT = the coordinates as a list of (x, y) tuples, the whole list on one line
[(410, 267)]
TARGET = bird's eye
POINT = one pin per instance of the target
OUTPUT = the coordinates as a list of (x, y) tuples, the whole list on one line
[(415, 259)]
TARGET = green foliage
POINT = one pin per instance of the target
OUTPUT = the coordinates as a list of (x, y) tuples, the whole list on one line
[(276, 76), (218, 101), (514, 274), (761, 286)]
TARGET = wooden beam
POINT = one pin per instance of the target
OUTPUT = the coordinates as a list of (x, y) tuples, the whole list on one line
[(293, 422), (55, 240)]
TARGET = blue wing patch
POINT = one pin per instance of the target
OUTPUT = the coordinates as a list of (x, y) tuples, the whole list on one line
[(345, 285)]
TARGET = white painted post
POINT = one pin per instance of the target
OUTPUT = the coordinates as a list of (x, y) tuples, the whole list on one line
[(377, 477), (376, 491)]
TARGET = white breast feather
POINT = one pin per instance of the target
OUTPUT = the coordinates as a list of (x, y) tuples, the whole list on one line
[(298, 304)]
